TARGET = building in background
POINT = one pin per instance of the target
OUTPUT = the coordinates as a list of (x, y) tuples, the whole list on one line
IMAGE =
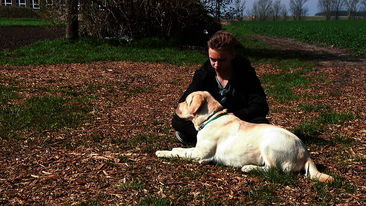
[(33, 4)]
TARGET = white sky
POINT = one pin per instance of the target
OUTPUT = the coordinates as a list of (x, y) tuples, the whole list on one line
[(312, 5)]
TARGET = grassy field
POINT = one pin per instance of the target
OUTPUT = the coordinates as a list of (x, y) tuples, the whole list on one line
[(88, 50), (350, 34), (343, 34), (23, 22)]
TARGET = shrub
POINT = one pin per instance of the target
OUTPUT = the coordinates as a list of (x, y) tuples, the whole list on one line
[(187, 21)]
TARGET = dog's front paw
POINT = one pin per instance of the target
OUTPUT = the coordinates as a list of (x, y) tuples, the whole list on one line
[(161, 153)]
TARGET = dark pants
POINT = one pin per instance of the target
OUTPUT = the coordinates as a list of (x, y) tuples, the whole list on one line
[(189, 133)]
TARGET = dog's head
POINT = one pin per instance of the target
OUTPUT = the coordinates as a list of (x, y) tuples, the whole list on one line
[(197, 107)]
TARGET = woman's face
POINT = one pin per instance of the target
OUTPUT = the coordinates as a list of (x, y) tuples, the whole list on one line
[(220, 59)]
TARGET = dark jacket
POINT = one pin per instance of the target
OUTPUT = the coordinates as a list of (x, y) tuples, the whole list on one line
[(246, 98)]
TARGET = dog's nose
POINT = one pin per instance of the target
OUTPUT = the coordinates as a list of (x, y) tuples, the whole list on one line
[(177, 110)]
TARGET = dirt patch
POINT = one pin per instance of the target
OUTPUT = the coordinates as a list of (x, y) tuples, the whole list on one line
[(322, 56), (12, 37)]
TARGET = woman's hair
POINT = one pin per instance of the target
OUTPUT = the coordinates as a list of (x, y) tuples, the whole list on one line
[(223, 40)]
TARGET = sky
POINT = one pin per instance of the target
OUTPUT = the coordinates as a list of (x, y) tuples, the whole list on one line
[(312, 6)]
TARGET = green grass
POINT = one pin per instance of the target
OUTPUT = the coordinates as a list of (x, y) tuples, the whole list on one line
[(324, 190), (133, 185), (257, 51), (309, 130), (23, 22), (89, 203), (275, 176), (280, 85), (147, 142), (7, 93), (88, 50), (41, 113), (134, 91), (264, 194), (313, 108), (149, 200), (343, 33), (332, 117), (343, 140)]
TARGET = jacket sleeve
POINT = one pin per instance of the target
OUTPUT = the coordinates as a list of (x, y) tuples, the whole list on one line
[(251, 88)]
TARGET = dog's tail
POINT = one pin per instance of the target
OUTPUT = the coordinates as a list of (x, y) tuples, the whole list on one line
[(312, 172)]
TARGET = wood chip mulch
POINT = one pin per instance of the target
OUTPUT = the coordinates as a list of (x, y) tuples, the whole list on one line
[(109, 159)]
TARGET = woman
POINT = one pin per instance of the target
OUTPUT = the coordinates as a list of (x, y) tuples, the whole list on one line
[(231, 80)]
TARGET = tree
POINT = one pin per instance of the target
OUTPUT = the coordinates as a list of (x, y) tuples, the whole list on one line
[(337, 6), (326, 7), (72, 25), (127, 21), (238, 8), (297, 9), (235, 10), (52, 11), (352, 7), (276, 9), (363, 3), (216, 7), (284, 12), (262, 9)]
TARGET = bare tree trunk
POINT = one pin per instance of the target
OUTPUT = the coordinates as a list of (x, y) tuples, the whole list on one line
[(72, 24), (218, 10)]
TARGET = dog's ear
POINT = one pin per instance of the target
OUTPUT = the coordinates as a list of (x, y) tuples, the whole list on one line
[(195, 104)]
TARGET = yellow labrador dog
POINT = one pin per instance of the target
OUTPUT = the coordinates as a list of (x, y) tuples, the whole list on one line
[(225, 139)]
